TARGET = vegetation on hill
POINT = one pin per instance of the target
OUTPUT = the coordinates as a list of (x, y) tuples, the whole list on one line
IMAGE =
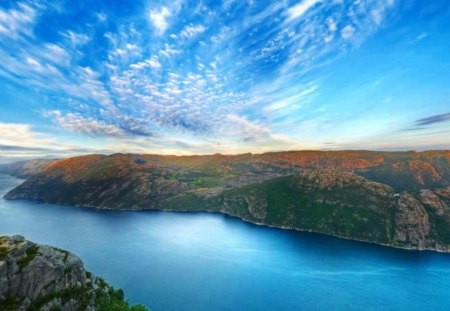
[(393, 198)]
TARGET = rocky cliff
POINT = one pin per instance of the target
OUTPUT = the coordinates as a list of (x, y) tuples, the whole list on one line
[(398, 199), (41, 277)]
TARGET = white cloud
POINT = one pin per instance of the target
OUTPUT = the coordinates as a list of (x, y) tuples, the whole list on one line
[(331, 24), (421, 36), (131, 47), (101, 16), (74, 122), (123, 126), (151, 62), (158, 19), (191, 31), (379, 11), (20, 141), (76, 38), (169, 50), (17, 21), (205, 91), (31, 61), (390, 2), (13, 133), (348, 32), (300, 9), (291, 102), (56, 54), (240, 129), (140, 65)]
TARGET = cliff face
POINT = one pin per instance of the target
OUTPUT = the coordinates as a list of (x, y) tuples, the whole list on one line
[(398, 199), (335, 203), (412, 222), (40, 277)]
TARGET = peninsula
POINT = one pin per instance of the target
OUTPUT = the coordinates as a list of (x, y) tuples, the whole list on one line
[(399, 199)]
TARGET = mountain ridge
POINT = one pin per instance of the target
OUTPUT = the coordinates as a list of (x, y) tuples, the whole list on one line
[(24, 169), (400, 199)]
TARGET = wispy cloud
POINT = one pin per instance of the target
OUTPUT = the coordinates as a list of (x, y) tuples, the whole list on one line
[(348, 32), (190, 31), (151, 62), (75, 122), (76, 38), (239, 73), (20, 141), (254, 132), (439, 118), (301, 8), (11, 133), (17, 21)]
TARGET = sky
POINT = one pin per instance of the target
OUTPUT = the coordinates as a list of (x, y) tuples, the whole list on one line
[(231, 76)]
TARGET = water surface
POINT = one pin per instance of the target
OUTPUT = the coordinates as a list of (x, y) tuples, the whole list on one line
[(201, 261)]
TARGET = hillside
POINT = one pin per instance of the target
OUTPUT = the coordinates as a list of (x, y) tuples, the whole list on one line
[(399, 199), (41, 277), (24, 169)]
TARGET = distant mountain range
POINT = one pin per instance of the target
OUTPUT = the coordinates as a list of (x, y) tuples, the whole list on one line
[(24, 169), (400, 199)]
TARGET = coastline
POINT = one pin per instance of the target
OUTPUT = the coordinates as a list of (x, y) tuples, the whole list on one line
[(439, 250)]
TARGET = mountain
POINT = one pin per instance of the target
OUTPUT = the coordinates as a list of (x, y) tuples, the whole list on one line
[(41, 277), (399, 199), (24, 169)]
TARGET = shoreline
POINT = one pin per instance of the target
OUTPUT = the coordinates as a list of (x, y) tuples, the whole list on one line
[(443, 251)]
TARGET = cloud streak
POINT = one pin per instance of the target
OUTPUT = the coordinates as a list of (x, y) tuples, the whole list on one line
[(439, 118), (21, 141), (76, 123), (301, 8), (17, 21)]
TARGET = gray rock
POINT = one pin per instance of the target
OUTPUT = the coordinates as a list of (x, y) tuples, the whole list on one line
[(412, 221), (44, 276)]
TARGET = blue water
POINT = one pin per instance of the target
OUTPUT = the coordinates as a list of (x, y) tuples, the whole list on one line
[(201, 261)]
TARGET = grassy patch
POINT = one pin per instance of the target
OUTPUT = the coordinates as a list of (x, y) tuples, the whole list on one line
[(117, 302), (31, 253), (339, 211), (9, 304), (3, 252)]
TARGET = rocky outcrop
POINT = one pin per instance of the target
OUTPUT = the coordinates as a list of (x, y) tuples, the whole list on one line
[(257, 207), (431, 199), (320, 179), (412, 222), (41, 277)]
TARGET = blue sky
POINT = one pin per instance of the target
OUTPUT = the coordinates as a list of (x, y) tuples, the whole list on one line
[(186, 77)]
